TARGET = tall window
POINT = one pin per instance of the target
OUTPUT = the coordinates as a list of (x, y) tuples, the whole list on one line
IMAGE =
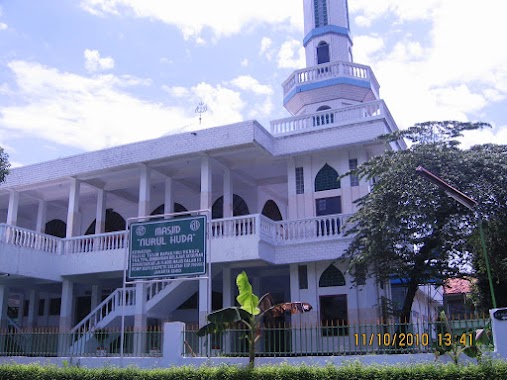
[(322, 52), (300, 181), (327, 179), (320, 11), (354, 179)]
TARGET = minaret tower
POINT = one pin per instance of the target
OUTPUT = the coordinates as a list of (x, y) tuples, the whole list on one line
[(330, 80), (327, 32)]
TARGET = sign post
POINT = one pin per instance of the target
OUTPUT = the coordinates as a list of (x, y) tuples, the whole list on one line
[(168, 248), (158, 250)]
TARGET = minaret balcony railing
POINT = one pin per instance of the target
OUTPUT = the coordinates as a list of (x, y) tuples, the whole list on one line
[(333, 118), (339, 69)]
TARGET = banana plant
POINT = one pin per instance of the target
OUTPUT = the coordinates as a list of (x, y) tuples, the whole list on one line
[(250, 313)]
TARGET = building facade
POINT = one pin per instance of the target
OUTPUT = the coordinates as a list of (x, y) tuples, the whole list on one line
[(277, 203)]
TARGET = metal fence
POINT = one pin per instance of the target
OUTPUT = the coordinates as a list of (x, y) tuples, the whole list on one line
[(46, 342), (336, 339)]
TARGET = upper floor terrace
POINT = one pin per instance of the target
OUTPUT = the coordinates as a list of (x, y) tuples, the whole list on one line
[(26, 253)]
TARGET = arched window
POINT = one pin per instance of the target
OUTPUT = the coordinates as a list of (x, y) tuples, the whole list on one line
[(239, 207), (323, 52), (176, 208), (327, 179), (271, 211), (114, 222), (332, 276), (56, 227)]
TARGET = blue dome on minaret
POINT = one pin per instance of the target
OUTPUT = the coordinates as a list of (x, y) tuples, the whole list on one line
[(331, 79)]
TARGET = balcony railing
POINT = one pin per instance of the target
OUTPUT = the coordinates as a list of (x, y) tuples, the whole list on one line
[(330, 71), (333, 118), (276, 232)]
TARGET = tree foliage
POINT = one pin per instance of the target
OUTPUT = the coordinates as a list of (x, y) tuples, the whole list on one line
[(407, 226), (4, 165)]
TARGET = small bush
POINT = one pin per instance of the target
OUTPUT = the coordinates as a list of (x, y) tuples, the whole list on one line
[(491, 370)]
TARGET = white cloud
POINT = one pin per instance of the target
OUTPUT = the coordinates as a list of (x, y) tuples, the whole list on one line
[(86, 113), (93, 62), (291, 55), (3, 26), (265, 49), (223, 17), (249, 83), (454, 72)]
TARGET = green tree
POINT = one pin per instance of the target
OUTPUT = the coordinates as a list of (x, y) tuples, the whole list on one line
[(407, 226), (4, 165), (495, 233)]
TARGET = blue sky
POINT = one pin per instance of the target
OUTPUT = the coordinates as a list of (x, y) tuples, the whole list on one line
[(89, 74)]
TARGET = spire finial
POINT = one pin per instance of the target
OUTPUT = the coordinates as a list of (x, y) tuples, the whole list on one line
[(200, 109)]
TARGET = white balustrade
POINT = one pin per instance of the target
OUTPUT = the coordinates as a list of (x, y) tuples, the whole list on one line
[(280, 232), (233, 227), (320, 228), (329, 118), (111, 304), (330, 70), (93, 243), (154, 288), (29, 239)]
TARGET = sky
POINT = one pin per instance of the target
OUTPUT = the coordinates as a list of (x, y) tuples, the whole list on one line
[(83, 75)]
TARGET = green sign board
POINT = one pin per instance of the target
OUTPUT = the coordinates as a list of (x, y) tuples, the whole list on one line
[(168, 248)]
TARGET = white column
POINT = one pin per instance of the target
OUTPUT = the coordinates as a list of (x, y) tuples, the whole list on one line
[(292, 209), (66, 308), (95, 298), (12, 213), (73, 209), (100, 215), (67, 302), (144, 192), (4, 298), (226, 290), (33, 301), (228, 197), (21, 310), (205, 205), (205, 184), (168, 196), (140, 320), (204, 308), (309, 209), (41, 216)]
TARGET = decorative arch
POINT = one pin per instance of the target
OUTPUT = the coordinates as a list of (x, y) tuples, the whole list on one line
[(56, 227), (271, 210), (114, 222), (332, 276), (327, 179), (239, 207), (177, 207)]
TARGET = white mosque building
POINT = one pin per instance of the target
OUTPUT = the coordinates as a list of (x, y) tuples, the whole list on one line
[(277, 206)]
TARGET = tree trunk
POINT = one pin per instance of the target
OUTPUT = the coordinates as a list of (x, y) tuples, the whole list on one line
[(406, 311)]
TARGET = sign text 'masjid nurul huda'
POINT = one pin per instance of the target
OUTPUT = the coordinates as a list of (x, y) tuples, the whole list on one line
[(169, 248)]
